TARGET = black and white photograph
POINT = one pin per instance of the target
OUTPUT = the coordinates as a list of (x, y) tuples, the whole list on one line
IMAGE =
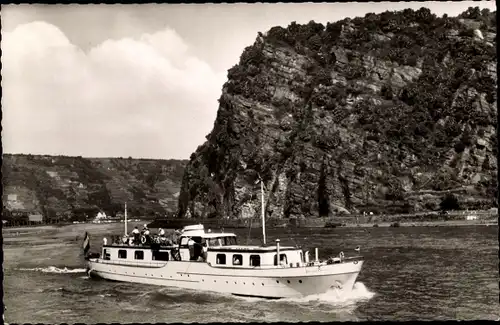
[(249, 162)]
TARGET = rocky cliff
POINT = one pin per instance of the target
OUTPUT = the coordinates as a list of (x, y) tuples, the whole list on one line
[(391, 113), (62, 187)]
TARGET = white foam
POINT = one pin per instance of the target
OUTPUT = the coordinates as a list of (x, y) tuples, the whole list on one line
[(53, 269), (335, 297), (359, 292)]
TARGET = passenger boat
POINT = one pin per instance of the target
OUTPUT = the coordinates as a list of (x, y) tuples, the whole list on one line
[(269, 271)]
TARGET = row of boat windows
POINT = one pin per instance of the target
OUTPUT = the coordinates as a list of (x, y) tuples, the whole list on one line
[(139, 255), (254, 260), (237, 259), (218, 241)]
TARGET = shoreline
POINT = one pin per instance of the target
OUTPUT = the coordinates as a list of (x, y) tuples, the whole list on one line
[(437, 223), (453, 223)]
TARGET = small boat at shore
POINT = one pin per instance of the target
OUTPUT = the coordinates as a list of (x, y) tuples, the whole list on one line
[(214, 261)]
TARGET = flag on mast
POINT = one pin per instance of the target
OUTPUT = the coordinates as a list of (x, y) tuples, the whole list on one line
[(86, 243)]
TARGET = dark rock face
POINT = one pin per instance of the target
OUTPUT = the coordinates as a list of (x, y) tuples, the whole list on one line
[(389, 113), (62, 187)]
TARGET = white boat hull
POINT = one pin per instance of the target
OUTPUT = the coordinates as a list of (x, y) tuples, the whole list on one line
[(272, 282)]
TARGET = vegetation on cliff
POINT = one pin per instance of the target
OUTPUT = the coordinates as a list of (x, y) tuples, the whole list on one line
[(393, 112), (68, 188)]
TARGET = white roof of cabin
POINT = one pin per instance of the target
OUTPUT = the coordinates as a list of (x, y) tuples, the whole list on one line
[(254, 247), (201, 233), (215, 235)]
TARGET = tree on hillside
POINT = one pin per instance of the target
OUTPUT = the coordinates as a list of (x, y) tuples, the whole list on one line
[(450, 202)]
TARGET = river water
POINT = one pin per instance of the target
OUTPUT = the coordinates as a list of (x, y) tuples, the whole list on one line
[(410, 273)]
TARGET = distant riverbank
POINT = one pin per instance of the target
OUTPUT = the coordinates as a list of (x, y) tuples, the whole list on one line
[(492, 222), (375, 221), (455, 218)]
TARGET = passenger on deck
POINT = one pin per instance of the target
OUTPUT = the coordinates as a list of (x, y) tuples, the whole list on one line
[(175, 237), (191, 249), (136, 233), (161, 232), (204, 252), (147, 235)]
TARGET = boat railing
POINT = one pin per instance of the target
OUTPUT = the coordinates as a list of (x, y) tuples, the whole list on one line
[(150, 264), (147, 245)]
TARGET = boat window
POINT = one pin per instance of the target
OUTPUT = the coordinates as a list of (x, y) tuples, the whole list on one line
[(283, 259), (122, 253), (301, 257), (160, 256), (106, 255), (184, 241), (213, 242), (228, 241), (139, 255), (237, 259), (197, 239), (221, 259), (254, 260)]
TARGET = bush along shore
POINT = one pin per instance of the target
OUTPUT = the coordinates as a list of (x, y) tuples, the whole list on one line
[(415, 219), (382, 220)]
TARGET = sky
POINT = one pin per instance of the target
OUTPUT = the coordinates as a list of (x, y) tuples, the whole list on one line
[(136, 80)]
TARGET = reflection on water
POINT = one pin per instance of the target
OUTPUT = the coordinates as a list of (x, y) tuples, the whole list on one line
[(424, 273)]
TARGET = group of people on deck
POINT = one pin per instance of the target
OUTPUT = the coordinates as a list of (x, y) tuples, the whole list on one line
[(145, 237), (197, 251)]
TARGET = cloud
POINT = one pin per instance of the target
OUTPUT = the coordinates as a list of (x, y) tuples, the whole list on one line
[(143, 97)]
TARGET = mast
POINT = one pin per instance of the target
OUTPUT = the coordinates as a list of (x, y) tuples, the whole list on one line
[(263, 211), (126, 219)]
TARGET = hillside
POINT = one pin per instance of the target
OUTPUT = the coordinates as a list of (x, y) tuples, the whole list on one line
[(75, 186), (393, 112)]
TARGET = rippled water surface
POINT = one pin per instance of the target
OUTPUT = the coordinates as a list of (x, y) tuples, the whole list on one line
[(421, 273)]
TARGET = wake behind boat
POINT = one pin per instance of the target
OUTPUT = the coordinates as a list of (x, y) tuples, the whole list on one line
[(211, 261)]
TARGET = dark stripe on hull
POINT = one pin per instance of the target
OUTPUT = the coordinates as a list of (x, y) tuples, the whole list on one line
[(252, 296)]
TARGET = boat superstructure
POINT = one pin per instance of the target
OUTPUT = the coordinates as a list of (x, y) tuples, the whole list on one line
[(214, 261)]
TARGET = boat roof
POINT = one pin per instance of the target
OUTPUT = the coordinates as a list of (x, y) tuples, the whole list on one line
[(252, 248), (220, 234), (198, 230), (201, 233)]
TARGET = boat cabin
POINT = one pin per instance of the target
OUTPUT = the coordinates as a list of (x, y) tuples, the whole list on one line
[(135, 254), (222, 250), (201, 238), (127, 251), (255, 256)]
